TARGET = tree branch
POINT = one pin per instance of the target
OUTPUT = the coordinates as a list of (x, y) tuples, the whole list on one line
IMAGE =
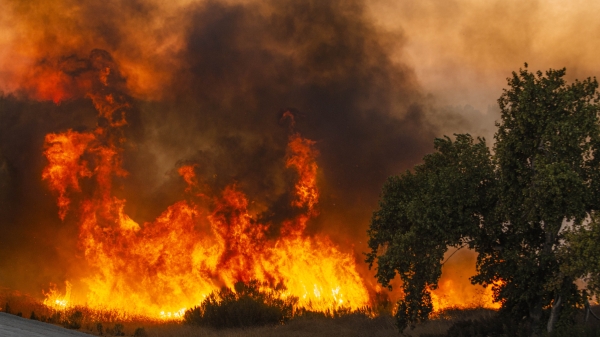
[(454, 252), (589, 309)]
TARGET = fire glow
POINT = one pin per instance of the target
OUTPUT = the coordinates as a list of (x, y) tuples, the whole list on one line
[(454, 289), (203, 242), (197, 245), (162, 267)]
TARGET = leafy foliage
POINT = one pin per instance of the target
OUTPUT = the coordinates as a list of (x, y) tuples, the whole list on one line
[(511, 207), (246, 305), (582, 253), (441, 204)]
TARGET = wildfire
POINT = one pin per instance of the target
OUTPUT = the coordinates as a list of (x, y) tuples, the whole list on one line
[(160, 268), (454, 288), (54, 299), (206, 241)]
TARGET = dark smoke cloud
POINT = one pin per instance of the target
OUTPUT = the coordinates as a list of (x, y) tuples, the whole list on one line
[(236, 69), (35, 247), (324, 60)]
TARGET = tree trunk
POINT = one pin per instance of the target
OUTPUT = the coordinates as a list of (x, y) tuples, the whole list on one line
[(535, 314), (587, 310), (554, 314)]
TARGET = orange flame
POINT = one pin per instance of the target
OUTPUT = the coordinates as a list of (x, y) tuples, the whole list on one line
[(301, 158), (49, 86), (160, 268), (454, 287), (55, 300)]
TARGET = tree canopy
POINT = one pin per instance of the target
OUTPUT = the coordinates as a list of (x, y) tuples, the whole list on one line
[(518, 206)]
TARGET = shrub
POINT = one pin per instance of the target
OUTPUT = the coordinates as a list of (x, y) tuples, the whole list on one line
[(55, 318), (140, 332), (244, 306), (118, 330), (33, 316), (335, 313), (74, 320)]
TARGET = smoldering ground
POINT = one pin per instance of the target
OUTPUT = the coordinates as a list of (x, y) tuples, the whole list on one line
[(236, 67)]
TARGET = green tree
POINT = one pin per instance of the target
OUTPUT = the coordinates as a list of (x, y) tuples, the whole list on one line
[(511, 207), (581, 254)]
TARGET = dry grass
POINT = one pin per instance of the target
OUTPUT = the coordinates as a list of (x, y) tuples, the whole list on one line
[(22, 303), (351, 325), (346, 324), (440, 323)]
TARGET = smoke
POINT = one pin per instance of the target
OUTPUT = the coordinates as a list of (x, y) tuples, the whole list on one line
[(324, 61), (462, 51)]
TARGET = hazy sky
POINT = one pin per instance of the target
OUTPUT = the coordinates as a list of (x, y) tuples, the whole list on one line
[(462, 51)]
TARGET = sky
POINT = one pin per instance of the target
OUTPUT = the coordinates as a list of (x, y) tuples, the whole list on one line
[(462, 51)]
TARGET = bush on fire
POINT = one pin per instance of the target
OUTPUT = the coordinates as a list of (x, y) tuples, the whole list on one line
[(246, 305)]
